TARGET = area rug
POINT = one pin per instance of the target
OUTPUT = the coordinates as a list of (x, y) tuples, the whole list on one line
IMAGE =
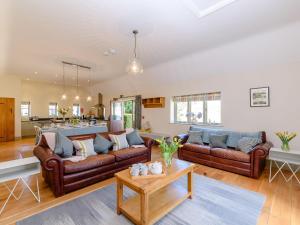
[(213, 203)]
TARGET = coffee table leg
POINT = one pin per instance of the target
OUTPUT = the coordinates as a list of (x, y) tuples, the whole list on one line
[(144, 208), (190, 184), (119, 196)]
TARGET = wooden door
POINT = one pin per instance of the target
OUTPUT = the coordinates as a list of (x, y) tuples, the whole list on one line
[(7, 119)]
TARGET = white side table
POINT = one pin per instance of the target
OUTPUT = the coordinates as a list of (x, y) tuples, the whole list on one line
[(281, 159), (17, 170)]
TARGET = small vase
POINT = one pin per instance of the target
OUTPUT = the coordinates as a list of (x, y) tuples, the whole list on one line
[(64, 118), (167, 158), (285, 146)]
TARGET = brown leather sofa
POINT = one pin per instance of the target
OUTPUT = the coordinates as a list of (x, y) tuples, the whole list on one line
[(229, 159), (64, 176)]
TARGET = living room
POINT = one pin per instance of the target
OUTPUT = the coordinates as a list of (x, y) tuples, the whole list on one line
[(220, 75)]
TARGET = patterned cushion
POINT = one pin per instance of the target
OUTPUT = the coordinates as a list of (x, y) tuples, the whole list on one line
[(246, 144), (63, 146), (218, 141), (134, 138), (101, 144), (195, 137), (119, 141), (84, 147)]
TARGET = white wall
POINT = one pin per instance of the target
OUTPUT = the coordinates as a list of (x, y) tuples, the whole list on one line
[(41, 94), (10, 87), (268, 59)]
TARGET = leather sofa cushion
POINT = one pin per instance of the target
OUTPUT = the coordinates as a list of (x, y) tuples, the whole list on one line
[(127, 153), (204, 149), (230, 154), (89, 163)]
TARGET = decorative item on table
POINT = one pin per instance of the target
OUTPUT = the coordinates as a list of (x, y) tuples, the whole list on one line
[(74, 121), (142, 171), (63, 111), (139, 169), (168, 149), (285, 138), (155, 168)]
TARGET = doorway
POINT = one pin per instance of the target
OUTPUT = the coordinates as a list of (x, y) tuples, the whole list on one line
[(125, 113), (7, 119)]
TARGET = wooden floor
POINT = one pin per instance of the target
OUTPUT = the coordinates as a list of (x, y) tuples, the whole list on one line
[(282, 205)]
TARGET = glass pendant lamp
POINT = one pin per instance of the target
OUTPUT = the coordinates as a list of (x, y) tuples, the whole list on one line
[(135, 66)]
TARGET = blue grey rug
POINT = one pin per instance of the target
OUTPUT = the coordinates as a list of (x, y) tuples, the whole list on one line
[(213, 203)]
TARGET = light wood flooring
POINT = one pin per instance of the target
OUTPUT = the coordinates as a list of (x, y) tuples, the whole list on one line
[(282, 206)]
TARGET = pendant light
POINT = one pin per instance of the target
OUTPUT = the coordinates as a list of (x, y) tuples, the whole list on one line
[(64, 96), (135, 66), (89, 97), (77, 94)]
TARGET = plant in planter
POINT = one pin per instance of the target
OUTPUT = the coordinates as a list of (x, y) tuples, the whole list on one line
[(285, 138), (168, 149)]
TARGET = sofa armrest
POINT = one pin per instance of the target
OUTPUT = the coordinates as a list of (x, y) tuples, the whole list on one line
[(262, 150), (182, 137), (52, 164), (258, 158), (148, 142)]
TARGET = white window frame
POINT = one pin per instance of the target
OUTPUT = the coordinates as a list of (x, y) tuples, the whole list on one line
[(56, 109), (78, 109), (25, 103), (204, 116)]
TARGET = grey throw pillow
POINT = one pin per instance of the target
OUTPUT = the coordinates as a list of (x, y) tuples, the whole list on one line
[(63, 146), (101, 144), (218, 141), (246, 144), (134, 138), (195, 137)]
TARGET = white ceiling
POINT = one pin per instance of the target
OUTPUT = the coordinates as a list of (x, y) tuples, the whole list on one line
[(37, 35)]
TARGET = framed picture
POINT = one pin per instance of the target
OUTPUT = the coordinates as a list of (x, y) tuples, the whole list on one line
[(260, 97)]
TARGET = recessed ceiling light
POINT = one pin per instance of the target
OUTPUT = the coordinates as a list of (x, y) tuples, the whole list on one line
[(56, 75), (112, 51), (35, 72), (27, 78), (106, 53)]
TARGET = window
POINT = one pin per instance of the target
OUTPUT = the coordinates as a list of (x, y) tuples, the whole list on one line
[(25, 109), (76, 110), (53, 109), (199, 109)]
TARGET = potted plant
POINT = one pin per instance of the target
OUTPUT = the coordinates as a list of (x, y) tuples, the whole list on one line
[(168, 149), (285, 138)]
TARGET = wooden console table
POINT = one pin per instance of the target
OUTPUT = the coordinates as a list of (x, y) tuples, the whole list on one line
[(156, 197), (17, 170)]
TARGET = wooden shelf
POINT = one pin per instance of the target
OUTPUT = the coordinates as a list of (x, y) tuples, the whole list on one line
[(157, 102), (160, 203)]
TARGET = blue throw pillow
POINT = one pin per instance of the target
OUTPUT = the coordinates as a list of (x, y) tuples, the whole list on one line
[(195, 137), (63, 146), (246, 144), (218, 141), (101, 144), (134, 138)]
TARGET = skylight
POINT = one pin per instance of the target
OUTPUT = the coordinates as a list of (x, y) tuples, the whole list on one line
[(206, 7)]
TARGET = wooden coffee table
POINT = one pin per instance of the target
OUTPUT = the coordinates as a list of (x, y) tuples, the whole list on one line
[(156, 197)]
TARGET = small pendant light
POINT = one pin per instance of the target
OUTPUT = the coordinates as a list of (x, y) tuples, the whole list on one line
[(135, 66)]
